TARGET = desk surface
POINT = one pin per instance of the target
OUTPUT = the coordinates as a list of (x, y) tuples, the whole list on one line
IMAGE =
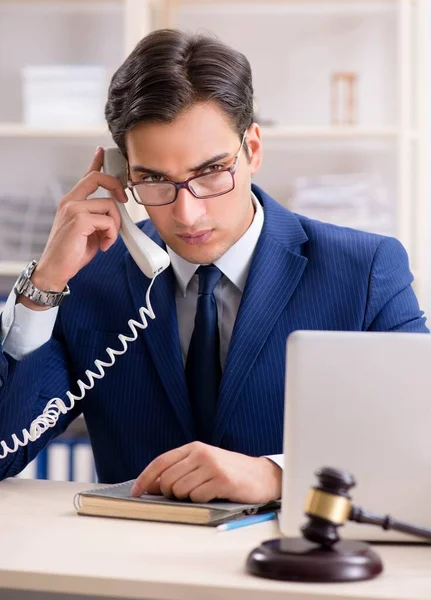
[(47, 547)]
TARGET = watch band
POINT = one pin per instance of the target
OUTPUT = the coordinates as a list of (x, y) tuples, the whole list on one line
[(23, 286)]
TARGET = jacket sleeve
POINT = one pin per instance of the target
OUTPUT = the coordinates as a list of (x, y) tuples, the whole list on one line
[(26, 386), (392, 304)]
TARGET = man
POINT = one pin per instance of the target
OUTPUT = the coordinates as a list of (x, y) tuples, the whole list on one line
[(195, 407)]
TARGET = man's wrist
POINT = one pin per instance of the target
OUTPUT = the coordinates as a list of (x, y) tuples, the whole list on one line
[(30, 304), (37, 291), (275, 476), (43, 281)]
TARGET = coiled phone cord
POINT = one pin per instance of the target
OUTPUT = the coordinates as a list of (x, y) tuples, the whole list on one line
[(56, 406)]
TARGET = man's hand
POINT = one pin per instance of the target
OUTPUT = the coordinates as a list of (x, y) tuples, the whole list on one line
[(202, 472), (81, 228)]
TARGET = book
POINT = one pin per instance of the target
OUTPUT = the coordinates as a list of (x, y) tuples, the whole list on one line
[(117, 501)]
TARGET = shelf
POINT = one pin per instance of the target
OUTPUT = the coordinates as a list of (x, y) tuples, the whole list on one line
[(61, 2), (290, 7), (64, 7), (177, 2), (77, 4), (303, 2), (11, 268), (276, 132), (299, 3), (285, 132), (18, 130)]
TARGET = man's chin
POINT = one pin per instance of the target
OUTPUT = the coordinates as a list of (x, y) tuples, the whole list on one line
[(198, 254)]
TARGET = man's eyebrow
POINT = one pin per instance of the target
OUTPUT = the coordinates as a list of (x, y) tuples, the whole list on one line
[(214, 159)]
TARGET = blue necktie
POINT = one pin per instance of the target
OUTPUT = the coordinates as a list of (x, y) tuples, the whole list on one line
[(203, 369)]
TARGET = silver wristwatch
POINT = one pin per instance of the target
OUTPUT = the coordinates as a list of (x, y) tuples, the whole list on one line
[(23, 286)]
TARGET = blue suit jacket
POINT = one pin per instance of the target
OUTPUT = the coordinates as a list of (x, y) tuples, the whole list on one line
[(304, 275)]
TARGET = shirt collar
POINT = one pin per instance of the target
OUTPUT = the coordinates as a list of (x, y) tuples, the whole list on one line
[(234, 263)]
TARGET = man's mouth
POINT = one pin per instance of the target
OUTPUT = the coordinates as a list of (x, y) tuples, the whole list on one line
[(200, 237)]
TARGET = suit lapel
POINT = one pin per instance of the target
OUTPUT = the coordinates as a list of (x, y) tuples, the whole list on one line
[(161, 336), (275, 272)]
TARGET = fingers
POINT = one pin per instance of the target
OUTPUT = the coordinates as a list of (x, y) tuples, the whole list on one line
[(97, 160), (154, 488), (157, 467), (104, 206), (205, 492), (104, 224), (94, 179), (82, 216), (202, 472), (183, 488), (176, 473), (82, 226)]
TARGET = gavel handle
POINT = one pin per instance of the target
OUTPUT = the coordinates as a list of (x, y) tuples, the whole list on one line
[(360, 515)]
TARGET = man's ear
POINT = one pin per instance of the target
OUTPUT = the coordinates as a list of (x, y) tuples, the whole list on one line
[(254, 144)]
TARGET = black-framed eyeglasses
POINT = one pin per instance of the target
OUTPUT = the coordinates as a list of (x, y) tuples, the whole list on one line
[(208, 185)]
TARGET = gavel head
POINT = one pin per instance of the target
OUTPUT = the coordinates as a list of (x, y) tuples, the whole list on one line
[(328, 506)]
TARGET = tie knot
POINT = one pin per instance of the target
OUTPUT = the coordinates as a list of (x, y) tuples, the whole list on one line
[(209, 276)]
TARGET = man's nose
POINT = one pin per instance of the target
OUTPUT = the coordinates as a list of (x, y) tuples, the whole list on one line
[(187, 209)]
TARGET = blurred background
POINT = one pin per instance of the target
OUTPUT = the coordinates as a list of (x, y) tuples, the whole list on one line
[(342, 93)]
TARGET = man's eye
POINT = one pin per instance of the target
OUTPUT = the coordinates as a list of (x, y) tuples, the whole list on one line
[(152, 178), (212, 169)]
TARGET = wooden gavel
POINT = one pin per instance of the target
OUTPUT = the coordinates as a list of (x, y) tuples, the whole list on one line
[(319, 555), (329, 506)]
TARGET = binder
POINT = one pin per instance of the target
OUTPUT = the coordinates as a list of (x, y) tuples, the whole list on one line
[(63, 460)]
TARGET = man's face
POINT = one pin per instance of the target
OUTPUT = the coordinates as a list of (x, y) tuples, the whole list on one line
[(200, 231)]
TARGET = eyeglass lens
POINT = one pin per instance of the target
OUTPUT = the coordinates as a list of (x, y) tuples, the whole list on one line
[(203, 186)]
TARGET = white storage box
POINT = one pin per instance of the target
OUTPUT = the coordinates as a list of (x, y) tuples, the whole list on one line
[(63, 96)]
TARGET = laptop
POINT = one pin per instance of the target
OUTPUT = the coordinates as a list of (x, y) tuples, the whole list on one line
[(360, 402)]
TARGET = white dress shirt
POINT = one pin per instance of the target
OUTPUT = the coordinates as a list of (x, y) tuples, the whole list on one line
[(24, 330), (235, 265)]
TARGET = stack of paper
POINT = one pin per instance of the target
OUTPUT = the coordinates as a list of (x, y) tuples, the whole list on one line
[(25, 225), (357, 200)]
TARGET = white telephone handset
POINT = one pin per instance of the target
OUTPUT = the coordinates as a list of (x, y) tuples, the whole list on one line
[(152, 260), (149, 257)]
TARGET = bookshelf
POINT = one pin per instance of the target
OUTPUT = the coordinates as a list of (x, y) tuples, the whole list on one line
[(18, 130), (11, 268), (387, 43), (402, 131), (8, 130)]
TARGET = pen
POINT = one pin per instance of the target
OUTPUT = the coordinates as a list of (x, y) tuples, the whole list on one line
[(246, 521)]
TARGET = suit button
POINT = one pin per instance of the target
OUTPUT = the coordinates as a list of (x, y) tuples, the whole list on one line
[(1, 381)]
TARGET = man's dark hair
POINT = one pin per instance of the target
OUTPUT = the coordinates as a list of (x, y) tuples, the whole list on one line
[(170, 70)]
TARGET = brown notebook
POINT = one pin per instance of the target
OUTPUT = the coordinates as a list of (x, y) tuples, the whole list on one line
[(117, 501)]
